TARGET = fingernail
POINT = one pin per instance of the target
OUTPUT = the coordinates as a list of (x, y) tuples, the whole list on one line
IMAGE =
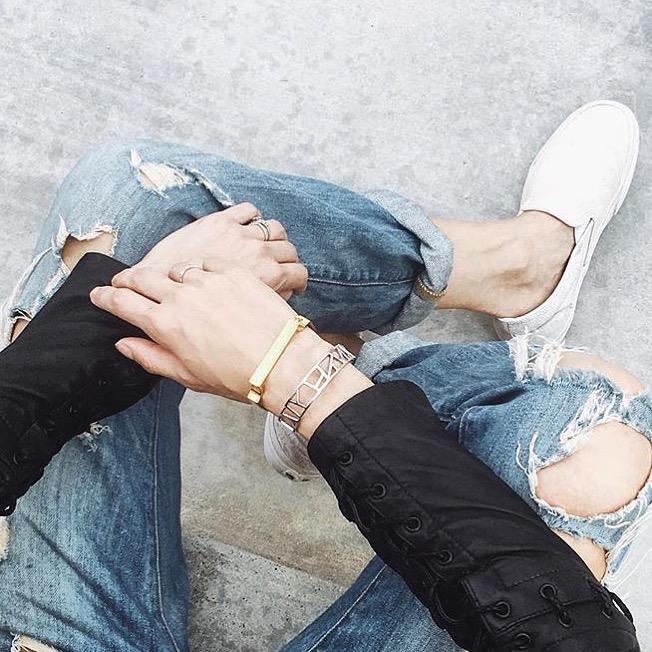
[(125, 349)]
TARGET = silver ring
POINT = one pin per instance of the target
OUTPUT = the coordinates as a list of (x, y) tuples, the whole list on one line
[(267, 234), (186, 269)]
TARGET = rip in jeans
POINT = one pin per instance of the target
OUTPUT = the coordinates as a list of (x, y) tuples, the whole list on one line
[(535, 358)]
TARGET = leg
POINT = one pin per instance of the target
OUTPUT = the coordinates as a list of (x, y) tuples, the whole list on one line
[(98, 565), (86, 564), (377, 614), (379, 255), (548, 422)]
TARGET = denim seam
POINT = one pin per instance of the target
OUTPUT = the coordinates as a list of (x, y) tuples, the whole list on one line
[(360, 283), (349, 610), (159, 592)]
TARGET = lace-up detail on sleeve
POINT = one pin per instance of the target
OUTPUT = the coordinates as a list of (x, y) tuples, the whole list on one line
[(62, 374), (488, 570)]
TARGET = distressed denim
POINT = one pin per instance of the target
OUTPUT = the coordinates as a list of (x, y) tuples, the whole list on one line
[(511, 406), (70, 575)]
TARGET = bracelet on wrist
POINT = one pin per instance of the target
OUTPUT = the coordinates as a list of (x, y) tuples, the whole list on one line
[(294, 325), (314, 383)]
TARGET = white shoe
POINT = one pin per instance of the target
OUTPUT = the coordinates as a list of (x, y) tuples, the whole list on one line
[(580, 176), (287, 452)]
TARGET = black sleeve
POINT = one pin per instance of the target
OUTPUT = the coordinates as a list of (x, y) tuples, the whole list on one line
[(484, 564), (62, 374)]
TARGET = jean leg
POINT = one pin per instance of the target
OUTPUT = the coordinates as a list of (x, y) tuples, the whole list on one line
[(93, 558), (377, 614), (92, 555), (510, 406), (368, 258)]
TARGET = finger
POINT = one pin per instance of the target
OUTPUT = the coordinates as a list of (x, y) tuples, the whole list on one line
[(282, 251), (242, 213), (146, 281), (277, 230), (260, 228), (125, 304), (155, 359), (295, 278), (181, 272)]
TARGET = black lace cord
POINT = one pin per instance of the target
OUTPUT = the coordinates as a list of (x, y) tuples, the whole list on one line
[(607, 599), (621, 605), (410, 556), (549, 593)]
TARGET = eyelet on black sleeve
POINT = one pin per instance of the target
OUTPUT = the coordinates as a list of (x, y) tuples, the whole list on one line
[(378, 491), (502, 609), (522, 641), (345, 458), (444, 557), (548, 591), (413, 524), (20, 457), (566, 620)]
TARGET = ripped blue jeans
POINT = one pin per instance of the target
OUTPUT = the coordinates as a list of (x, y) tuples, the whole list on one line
[(70, 578)]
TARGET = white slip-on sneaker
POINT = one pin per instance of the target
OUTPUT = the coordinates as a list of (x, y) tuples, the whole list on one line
[(286, 451), (580, 176)]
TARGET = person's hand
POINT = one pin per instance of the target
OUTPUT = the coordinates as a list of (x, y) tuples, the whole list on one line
[(210, 332), (229, 238)]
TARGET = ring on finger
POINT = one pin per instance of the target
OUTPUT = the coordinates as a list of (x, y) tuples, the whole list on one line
[(264, 227), (178, 276)]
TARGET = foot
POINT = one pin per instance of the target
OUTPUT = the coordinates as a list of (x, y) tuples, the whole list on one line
[(61, 375), (581, 177), (499, 270)]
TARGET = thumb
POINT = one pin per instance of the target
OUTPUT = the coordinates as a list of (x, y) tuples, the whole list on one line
[(154, 359)]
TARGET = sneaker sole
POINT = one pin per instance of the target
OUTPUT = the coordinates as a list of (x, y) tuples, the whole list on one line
[(277, 458)]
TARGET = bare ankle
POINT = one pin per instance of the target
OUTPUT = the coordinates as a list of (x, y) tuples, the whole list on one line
[(506, 268)]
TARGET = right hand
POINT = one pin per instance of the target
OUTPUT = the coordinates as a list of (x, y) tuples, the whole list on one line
[(227, 239)]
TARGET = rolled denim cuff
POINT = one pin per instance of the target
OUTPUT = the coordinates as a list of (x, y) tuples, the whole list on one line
[(436, 252), (380, 353)]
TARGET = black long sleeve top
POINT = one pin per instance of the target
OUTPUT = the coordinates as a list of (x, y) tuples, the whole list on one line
[(481, 560)]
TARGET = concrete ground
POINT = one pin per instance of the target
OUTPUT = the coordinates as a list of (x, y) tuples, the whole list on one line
[(445, 101)]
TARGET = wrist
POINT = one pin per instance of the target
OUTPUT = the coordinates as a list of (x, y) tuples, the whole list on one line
[(303, 353)]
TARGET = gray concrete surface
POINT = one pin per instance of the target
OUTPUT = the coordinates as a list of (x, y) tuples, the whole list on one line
[(446, 101)]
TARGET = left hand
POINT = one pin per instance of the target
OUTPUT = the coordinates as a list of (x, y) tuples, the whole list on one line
[(229, 238)]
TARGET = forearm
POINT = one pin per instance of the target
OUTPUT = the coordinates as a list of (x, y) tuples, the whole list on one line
[(472, 551)]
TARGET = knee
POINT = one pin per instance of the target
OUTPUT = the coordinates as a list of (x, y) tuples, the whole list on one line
[(604, 475), (105, 169), (102, 160), (611, 466)]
